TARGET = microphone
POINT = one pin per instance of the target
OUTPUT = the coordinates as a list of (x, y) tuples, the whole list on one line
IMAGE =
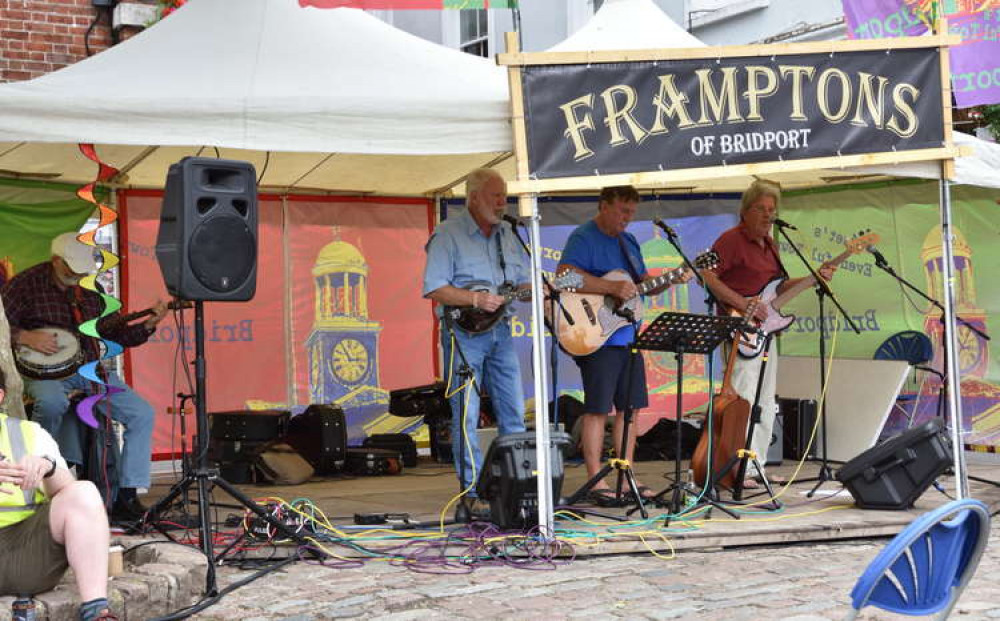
[(785, 225), (666, 229), (879, 259), (514, 222)]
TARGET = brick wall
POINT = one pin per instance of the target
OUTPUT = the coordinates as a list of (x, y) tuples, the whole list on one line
[(40, 36)]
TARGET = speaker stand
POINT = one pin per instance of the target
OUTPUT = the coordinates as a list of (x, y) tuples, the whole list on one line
[(206, 478)]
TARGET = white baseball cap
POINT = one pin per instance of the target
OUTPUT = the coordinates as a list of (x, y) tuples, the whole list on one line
[(77, 255)]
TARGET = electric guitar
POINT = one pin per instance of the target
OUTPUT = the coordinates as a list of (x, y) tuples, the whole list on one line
[(64, 362), (476, 320), (589, 319), (752, 343)]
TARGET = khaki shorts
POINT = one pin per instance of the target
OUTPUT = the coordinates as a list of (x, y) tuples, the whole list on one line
[(32, 561)]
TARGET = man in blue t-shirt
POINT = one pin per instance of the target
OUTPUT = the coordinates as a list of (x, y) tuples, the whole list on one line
[(594, 249)]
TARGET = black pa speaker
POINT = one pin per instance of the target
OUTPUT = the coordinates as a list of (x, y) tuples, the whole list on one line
[(508, 480), (894, 473), (207, 242)]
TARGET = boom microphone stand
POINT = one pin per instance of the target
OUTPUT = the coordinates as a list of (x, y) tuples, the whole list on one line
[(883, 264), (206, 478), (823, 291)]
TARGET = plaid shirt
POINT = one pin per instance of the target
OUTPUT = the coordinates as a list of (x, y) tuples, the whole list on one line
[(33, 300)]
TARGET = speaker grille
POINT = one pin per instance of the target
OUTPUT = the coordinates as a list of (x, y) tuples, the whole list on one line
[(222, 253)]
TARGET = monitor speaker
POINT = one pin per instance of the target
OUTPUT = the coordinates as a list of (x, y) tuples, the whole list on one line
[(894, 473), (207, 241), (508, 480)]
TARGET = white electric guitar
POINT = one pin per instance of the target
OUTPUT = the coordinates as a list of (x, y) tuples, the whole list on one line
[(752, 343)]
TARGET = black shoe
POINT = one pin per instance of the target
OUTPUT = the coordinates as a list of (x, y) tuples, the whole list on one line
[(127, 511), (473, 510)]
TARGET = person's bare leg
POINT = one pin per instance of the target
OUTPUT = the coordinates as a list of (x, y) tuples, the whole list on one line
[(77, 521), (618, 429), (592, 439)]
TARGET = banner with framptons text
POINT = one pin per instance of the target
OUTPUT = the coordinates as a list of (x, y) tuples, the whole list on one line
[(607, 118)]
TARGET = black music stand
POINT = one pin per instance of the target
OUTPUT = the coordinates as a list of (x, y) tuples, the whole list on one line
[(686, 333)]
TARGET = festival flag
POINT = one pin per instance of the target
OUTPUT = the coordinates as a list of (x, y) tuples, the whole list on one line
[(975, 62), (410, 4)]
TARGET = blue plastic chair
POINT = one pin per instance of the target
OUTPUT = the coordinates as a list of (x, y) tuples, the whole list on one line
[(925, 568), (916, 349)]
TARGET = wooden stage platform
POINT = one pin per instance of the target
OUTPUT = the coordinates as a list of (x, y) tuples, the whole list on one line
[(425, 491)]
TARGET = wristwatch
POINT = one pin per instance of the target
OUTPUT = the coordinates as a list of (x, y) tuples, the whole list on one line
[(52, 469)]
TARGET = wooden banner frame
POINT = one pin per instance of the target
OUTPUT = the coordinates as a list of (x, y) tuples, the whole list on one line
[(514, 60)]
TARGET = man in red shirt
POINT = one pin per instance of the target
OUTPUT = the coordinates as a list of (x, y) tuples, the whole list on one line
[(748, 260)]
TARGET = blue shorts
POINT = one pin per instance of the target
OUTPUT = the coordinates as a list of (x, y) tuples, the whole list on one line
[(604, 374)]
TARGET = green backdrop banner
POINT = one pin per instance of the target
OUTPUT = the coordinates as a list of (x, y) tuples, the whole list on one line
[(906, 217), (31, 214)]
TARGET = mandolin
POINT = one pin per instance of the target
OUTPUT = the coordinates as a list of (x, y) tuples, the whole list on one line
[(476, 320)]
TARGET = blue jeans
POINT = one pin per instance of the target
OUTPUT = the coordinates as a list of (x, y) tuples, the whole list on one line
[(495, 366), (127, 407)]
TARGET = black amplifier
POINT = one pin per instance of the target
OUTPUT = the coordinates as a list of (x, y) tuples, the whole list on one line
[(252, 425)]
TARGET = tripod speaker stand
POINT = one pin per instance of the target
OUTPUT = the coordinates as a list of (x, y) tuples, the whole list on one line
[(206, 478)]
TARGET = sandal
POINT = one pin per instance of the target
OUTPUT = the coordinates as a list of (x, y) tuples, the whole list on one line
[(644, 492), (604, 498)]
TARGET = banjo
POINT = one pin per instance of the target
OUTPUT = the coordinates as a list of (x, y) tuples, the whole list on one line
[(63, 363)]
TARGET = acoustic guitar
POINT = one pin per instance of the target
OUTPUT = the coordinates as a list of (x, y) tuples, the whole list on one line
[(752, 343), (476, 320), (63, 363), (590, 319)]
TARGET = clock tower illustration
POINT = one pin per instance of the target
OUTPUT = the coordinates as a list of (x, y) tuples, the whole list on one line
[(343, 342)]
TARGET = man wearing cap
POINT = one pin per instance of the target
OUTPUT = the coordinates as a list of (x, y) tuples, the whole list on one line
[(49, 295)]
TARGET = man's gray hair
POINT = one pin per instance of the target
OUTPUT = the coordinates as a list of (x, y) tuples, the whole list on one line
[(477, 179), (756, 190)]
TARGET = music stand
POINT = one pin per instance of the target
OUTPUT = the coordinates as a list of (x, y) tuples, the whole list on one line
[(683, 333)]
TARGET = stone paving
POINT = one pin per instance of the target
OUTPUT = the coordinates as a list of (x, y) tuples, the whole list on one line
[(804, 582)]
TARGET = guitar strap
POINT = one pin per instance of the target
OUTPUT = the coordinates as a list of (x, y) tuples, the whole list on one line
[(633, 270), (503, 262), (772, 245)]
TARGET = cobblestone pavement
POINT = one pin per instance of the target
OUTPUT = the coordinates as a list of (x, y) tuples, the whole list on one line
[(795, 583)]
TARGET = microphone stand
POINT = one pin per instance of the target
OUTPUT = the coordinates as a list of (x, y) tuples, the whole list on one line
[(555, 301), (823, 291), (882, 264)]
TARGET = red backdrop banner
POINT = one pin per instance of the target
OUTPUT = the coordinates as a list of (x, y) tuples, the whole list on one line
[(337, 316)]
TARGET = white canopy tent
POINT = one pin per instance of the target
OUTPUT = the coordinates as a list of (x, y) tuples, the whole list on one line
[(318, 100)]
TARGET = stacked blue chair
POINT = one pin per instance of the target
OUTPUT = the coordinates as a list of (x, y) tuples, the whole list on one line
[(925, 568)]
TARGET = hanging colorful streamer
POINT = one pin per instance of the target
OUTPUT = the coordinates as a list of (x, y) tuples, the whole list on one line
[(106, 216)]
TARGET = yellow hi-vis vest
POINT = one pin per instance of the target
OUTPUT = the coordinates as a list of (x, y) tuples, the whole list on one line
[(17, 439)]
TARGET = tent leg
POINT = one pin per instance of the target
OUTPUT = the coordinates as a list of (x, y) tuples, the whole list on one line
[(529, 210), (954, 382)]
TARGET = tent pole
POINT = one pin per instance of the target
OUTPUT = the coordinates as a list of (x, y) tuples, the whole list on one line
[(954, 384), (529, 209)]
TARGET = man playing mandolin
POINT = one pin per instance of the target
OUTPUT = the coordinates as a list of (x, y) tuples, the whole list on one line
[(601, 249), (48, 296), (470, 256), (748, 261)]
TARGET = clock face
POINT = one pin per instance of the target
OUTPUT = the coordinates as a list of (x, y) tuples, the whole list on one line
[(349, 360)]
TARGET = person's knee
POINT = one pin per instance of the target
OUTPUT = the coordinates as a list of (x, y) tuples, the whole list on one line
[(80, 498)]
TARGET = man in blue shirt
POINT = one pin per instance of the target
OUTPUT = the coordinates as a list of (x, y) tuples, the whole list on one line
[(594, 249), (469, 256)]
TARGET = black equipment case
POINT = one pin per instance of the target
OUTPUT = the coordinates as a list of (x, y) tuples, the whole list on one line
[(320, 435), (893, 474), (252, 425), (508, 480), (373, 461), (400, 442)]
